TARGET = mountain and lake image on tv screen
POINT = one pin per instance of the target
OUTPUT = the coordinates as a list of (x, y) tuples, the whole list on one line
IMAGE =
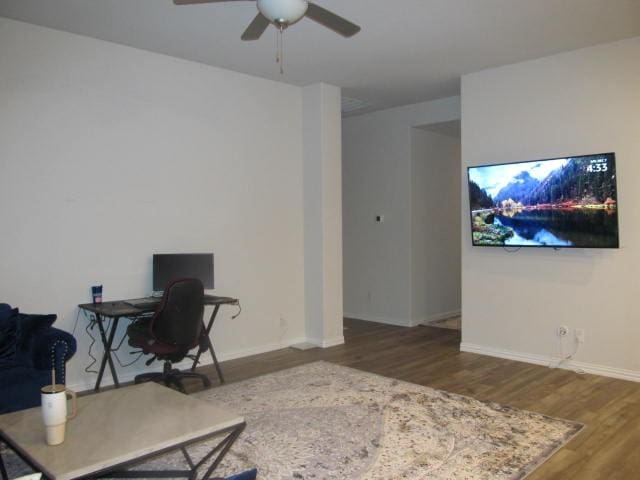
[(560, 202)]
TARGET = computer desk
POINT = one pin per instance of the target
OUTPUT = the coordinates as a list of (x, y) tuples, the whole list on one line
[(121, 309)]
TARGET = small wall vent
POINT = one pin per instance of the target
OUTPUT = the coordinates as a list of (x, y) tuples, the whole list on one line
[(352, 104)]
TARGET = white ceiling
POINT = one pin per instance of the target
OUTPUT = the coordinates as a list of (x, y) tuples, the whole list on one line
[(408, 50)]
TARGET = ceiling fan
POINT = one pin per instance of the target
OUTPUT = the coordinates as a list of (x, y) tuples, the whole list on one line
[(283, 13)]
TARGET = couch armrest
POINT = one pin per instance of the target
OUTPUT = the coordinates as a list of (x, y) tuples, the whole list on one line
[(52, 349)]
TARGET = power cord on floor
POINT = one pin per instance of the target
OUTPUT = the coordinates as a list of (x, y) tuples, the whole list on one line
[(565, 358), (237, 304), (115, 353), (92, 322)]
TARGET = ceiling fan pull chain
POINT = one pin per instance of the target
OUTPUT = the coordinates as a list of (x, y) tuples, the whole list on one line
[(281, 50)]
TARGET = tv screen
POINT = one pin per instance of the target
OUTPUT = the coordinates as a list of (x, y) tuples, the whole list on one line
[(559, 202)]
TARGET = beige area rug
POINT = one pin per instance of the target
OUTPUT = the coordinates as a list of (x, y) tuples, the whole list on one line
[(323, 421)]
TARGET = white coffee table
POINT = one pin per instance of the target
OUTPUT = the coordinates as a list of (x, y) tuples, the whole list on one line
[(122, 427)]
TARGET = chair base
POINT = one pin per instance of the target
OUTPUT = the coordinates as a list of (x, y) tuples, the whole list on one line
[(172, 377)]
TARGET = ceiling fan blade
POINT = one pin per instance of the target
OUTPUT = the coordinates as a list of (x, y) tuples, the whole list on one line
[(191, 2), (256, 28), (330, 20)]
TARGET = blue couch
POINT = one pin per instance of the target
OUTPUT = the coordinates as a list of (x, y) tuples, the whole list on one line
[(248, 475), (29, 348)]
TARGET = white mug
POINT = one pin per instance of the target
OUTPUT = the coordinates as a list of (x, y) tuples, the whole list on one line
[(54, 411)]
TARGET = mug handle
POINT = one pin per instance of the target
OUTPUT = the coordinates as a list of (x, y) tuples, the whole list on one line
[(74, 404)]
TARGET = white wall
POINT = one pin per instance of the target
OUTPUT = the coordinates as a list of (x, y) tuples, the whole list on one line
[(109, 154), (377, 163), (323, 214), (435, 183), (581, 102)]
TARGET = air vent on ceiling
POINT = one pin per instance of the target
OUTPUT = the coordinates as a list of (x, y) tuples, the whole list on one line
[(352, 104)]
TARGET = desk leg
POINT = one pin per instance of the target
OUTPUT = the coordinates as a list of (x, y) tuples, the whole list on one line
[(207, 331), (106, 357)]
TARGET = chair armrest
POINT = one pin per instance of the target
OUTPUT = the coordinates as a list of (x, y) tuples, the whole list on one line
[(52, 349)]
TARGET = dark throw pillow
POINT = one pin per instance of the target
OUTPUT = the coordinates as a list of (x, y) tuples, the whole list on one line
[(30, 325), (8, 336), (6, 312)]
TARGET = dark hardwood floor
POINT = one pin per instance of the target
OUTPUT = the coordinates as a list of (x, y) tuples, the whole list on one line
[(608, 448)]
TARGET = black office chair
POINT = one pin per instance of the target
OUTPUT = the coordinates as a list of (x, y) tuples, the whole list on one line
[(173, 330)]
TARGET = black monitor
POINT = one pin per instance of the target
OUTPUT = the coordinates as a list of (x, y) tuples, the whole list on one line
[(172, 266)]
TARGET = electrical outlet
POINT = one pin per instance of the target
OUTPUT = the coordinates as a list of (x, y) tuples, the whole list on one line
[(580, 335), (562, 331)]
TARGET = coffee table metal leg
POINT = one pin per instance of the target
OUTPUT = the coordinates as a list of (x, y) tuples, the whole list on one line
[(188, 458), (226, 446), (222, 448), (3, 470)]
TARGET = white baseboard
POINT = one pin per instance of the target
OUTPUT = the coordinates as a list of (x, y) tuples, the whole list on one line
[(439, 316), (328, 342), (404, 322), (247, 352), (400, 322), (592, 368), (88, 383), (205, 359)]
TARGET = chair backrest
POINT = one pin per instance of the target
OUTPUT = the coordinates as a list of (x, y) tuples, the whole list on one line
[(178, 320)]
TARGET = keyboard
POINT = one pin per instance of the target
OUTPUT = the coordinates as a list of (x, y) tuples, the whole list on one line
[(143, 302)]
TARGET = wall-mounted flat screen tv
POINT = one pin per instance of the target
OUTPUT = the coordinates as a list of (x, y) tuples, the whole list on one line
[(558, 202)]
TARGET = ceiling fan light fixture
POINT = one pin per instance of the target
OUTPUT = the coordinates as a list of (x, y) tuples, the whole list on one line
[(283, 12)]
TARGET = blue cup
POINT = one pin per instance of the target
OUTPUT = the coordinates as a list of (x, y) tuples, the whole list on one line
[(96, 293)]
